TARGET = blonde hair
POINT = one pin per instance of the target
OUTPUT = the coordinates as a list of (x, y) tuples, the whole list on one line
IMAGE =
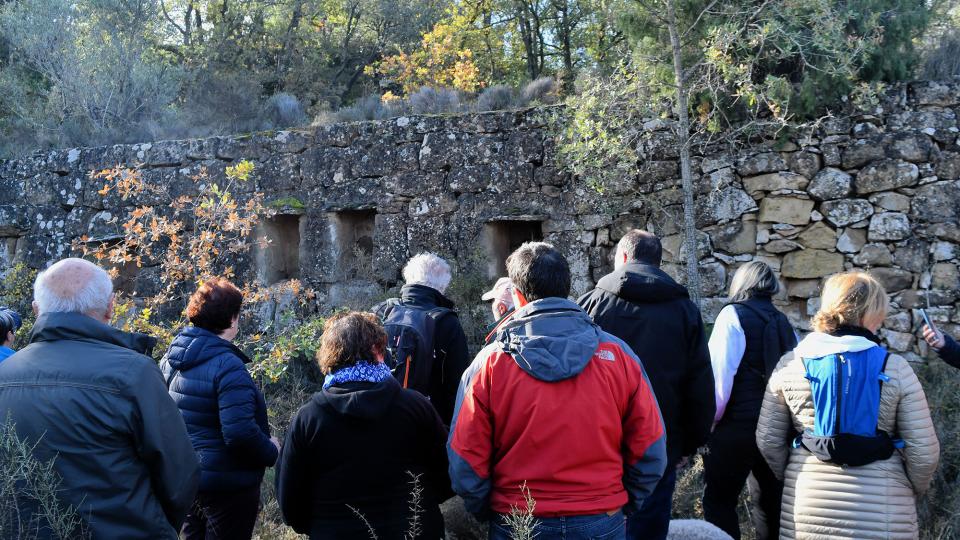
[(848, 299)]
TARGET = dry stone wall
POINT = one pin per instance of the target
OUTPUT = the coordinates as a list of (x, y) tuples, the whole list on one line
[(875, 190)]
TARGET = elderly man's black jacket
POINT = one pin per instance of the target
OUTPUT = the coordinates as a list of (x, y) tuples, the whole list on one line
[(92, 402), (645, 307)]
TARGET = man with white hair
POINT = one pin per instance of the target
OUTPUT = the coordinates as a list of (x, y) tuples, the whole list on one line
[(427, 345), (91, 401)]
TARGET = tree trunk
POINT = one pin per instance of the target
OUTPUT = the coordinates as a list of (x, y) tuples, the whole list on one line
[(686, 175)]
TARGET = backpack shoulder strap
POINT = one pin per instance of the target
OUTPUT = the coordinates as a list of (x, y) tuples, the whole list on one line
[(438, 312), (383, 309)]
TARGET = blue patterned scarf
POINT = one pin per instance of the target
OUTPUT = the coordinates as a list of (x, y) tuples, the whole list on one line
[(362, 371)]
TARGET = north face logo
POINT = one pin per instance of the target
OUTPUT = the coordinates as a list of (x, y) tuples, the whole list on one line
[(604, 354)]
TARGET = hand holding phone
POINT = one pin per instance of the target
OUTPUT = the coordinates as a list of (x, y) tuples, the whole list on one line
[(930, 332)]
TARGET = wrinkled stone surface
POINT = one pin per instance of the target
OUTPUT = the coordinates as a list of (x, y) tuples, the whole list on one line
[(847, 211), (851, 240), (830, 183), (735, 237), (886, 175), (760, 163), (889, 226)]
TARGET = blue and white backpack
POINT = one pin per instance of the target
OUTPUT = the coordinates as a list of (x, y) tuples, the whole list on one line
[(845, 389)]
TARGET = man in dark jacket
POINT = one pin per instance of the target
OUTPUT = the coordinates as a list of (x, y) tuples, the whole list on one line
[(427, 277), (642, 305), (558, 407), (91, 400)]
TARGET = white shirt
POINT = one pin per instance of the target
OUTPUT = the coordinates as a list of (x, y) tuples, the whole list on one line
[(727, 345)]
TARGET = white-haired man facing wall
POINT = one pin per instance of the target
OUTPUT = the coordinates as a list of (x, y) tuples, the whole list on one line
[(92, 401), (426, 278)]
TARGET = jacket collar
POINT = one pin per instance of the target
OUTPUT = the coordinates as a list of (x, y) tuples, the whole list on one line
[(423, 295), (819, 344), (850, 330), (58, 326), (194, 346), (642, 283)]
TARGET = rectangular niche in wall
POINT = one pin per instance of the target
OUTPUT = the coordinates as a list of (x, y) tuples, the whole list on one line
[(352, 241), (280, 259), (502, 237)]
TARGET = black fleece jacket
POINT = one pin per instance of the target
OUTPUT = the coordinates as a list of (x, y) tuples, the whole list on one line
[(449, 346), (646, 308), (359, 445), (950, 353)]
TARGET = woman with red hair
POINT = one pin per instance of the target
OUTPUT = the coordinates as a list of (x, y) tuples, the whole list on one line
[(225, 414)]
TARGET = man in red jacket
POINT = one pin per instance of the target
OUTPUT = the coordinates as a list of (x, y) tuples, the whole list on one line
[(559, 406)]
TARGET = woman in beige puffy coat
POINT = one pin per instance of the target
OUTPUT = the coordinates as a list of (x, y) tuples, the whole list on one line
[(823, 500)]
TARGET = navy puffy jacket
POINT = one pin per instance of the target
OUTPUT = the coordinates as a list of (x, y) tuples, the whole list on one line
[(225, 413)]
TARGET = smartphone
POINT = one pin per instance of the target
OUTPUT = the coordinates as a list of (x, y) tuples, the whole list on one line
[(928, 322)]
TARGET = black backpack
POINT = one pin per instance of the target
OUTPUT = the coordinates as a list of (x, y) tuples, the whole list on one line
[(778, 338), (410, 333)]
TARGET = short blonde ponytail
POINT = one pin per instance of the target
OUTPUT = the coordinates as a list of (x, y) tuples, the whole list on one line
[(848, 299)]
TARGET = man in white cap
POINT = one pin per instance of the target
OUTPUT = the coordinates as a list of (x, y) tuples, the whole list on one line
[(502, 306)]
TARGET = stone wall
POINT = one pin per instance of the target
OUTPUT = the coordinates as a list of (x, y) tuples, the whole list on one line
[(876, 190)]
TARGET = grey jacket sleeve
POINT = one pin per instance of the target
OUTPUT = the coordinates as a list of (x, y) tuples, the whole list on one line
[(164, 446)]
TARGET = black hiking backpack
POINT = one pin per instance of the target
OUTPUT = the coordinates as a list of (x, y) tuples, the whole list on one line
[(410, 334), (778, 337)]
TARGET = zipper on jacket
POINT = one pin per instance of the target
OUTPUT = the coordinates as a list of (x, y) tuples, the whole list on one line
[(840, 361)]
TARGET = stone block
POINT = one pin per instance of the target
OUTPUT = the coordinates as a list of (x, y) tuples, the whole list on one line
[(724, 205), (937, 202), (851, 240), (944, 251), (774, 182), (675, 247), (805, 163), (818, 236), (910, 146), (912, 255), (861, 152), (811, 263), (830, 184), (945, 276), (873, 255), (713, 278), (786, 210), (886, 175), (760, 163), (889, 226), (780, 246), (736, 237), (803, 288), (893, 279), (947, 166), (846, 211), (898, 341), (894, 202)]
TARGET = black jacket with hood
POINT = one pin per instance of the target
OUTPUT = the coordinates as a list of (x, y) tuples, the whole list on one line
[(449, 345), (92, 402), (355, 448), (653, 314)]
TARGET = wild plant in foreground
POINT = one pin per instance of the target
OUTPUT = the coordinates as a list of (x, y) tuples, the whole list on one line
[(521, 521)]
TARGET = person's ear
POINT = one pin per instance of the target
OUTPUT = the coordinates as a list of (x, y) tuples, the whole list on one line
[(108, 316), (624, 258), (36, 309)]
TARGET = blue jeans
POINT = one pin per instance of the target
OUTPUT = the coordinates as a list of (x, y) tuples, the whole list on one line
[(652, 521), (595, 527)]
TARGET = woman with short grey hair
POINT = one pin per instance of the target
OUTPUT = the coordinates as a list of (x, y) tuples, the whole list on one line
[(748, 339)]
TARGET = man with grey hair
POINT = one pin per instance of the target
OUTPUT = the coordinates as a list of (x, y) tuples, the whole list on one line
[(427, 345), (91, 400), (640, 304)]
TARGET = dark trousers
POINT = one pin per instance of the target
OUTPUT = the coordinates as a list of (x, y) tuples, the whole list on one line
[(652, 521), (595, 527), (732, 457), (227, 515)]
